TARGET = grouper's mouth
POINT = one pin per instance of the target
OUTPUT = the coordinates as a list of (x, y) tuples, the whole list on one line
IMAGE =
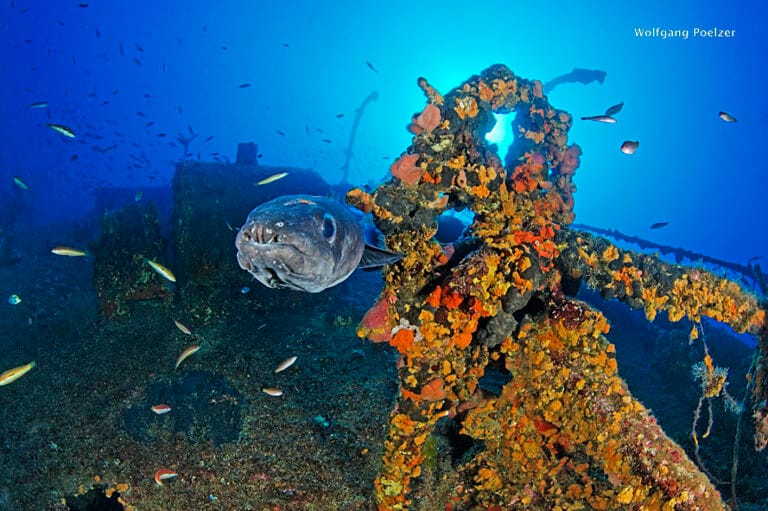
[(267, 262)]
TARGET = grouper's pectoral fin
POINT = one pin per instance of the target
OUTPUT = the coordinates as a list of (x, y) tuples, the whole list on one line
[(374, 257)]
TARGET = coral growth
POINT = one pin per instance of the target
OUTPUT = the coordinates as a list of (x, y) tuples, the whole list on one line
[(427, 120), (564, 433), (406, 170)]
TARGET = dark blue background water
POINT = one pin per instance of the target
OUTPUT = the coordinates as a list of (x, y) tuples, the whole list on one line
[(183, 63)]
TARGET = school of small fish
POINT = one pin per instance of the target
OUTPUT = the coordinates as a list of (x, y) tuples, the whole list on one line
[(141, 161), (630, 146), (162, 475)]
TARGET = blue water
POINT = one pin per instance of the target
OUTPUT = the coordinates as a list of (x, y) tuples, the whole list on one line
[(306, 63)]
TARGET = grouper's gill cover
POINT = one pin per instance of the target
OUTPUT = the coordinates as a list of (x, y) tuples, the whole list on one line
[(302, 242)]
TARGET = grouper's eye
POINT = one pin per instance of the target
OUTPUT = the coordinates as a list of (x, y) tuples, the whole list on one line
[(329, 227)]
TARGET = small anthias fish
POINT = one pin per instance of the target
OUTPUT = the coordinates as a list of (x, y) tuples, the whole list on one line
[(20, 183), (659, 225), (14, 299), (161, 409), (271, 391), (272, 178), (186, 353), (600, 118), (162, 270), (629, 146), (14, 374), (163, 475), (183, 329), (68, 251), (727, 117), (60, 128), (285, 364)]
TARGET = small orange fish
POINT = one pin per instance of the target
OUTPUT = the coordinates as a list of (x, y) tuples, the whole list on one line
[(162, 270), (67, 251), (14, 374), (270, 391), (184, 354), (183, 329), (163, 475), (161, 409)]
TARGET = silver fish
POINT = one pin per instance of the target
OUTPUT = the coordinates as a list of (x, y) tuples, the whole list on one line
[(20, 183), (305, 243), (60, 128), (629, 146), (600, 118), (727, 117)]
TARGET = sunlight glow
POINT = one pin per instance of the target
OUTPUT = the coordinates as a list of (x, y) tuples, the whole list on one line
[(502, 134)]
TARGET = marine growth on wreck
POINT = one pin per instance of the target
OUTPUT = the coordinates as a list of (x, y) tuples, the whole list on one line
[(564, 432)]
